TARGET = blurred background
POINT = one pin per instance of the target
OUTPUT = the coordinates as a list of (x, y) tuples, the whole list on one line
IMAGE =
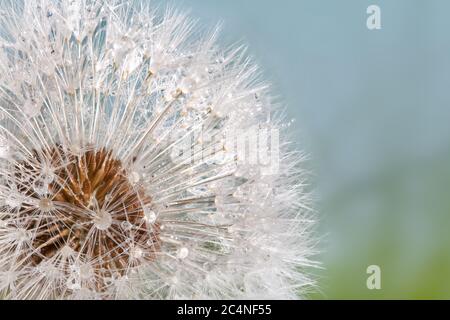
[(373, 110)]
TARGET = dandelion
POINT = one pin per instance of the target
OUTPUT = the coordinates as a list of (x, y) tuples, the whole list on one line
[(117, 180)]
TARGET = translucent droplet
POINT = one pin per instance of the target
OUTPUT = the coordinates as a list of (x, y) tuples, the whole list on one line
[(132, 62), (187, 85), (182, 253), (46, 205), (48, 176), (126, 225), (155, 64), (134, 177), (13, 200), (103, 220), (41, 187), (150, 215)]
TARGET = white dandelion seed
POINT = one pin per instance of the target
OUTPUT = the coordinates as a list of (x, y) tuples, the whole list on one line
[(116, 176)]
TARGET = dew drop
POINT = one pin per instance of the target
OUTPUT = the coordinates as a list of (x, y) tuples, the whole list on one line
[(48, 176), (13, 201), (134, 177), (126, 225), (182, 253), (46, 205), (132, 62), (150, 215), (103, 220), (40, 187)]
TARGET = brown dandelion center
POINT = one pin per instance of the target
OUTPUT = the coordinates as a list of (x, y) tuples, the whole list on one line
[(92, 209)]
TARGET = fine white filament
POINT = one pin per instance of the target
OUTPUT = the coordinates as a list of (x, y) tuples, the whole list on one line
[(91, 76)]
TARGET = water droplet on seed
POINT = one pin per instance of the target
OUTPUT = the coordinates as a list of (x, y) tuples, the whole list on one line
[(46, 205), (125, 225), (103, 220), (182, 253), (150, 215), (134, 177)]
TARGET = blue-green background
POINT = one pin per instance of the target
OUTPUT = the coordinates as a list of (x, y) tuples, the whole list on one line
[(372, 108)]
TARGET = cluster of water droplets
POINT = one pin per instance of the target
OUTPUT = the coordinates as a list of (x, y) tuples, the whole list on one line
[(86, 75)]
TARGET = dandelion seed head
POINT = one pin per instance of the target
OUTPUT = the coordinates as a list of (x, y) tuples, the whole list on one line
[(117, 175)]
